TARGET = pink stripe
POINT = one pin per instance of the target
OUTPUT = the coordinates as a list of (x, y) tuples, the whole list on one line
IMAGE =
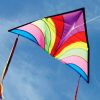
[(36, 32), (77, 61)]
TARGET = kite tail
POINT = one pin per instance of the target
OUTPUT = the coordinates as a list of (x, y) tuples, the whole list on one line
[(76, 92), (6, 68), (9, 59), (1, 91)]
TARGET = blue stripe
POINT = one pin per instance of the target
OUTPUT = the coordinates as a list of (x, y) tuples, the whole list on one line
[(79, 70), (25, 34)]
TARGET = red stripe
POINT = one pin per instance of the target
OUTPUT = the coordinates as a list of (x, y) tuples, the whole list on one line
[(80, 36), (59, 25)]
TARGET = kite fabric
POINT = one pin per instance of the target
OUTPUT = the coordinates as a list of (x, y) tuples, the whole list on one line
[(63, 36)]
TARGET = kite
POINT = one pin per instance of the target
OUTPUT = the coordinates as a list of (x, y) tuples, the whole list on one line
[(64, 37)]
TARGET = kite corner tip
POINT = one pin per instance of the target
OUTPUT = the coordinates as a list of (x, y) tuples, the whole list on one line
[(88, 81), (10, 30), (83, 8)]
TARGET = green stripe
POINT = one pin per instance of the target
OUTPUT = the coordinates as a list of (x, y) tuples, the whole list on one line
[(48, 37), (46, 31), (78, 52)]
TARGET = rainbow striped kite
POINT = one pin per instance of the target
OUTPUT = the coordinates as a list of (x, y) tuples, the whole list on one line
[(63, 36)]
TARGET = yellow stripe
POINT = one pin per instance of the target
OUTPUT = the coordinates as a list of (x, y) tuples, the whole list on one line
[(81, 45), (52, 30)]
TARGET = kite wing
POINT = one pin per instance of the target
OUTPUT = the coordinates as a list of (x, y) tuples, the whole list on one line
[(63, 36)]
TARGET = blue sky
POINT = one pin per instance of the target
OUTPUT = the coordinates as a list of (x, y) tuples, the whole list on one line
[(33, 74)]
